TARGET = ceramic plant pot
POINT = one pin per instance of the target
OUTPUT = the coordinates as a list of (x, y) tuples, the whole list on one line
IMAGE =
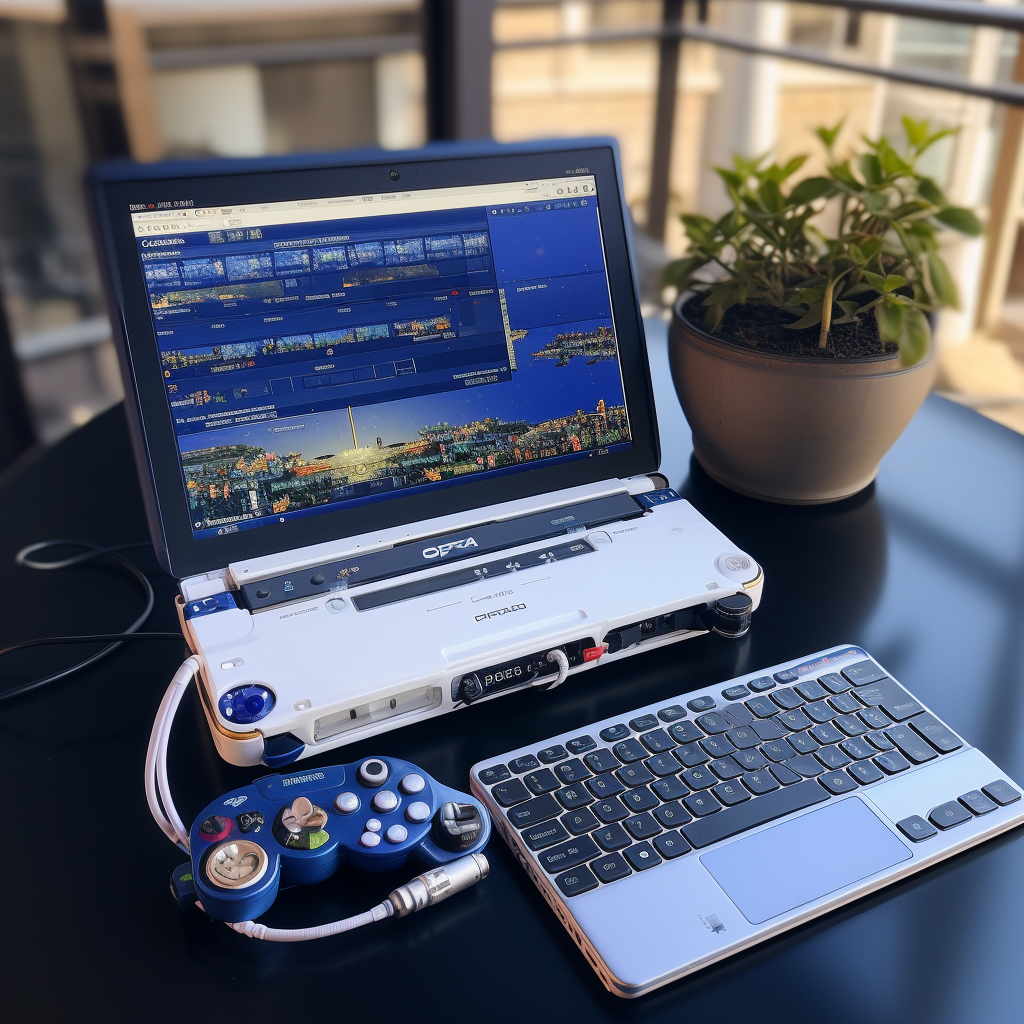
[(787, 428)]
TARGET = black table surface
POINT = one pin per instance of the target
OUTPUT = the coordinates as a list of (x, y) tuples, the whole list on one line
[(924, 569)]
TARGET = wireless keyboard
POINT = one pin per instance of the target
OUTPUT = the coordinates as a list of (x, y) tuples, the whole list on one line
[(679, 833)]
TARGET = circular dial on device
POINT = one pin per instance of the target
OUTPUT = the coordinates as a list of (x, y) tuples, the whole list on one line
[(373, 773), (457, 826), (236, 865), (300, 825)]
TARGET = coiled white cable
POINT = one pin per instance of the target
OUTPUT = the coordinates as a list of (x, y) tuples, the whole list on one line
[(261, 931), (560, 659)]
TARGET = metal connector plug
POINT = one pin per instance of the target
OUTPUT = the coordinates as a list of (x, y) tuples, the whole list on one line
[(438, 884)]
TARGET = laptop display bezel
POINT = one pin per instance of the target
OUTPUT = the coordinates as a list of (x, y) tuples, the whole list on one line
[(114, 190)]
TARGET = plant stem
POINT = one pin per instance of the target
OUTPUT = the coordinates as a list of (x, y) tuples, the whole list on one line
[(826, 313)]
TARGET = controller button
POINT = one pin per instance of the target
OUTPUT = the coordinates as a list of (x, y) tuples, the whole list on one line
[(373, 773), (250, 821), (236, 865), (215, 827), (303, 816), (346, 803), (418, 812), (385, 801), (397, 834), (370, 839), (412, 784), (373, 825)]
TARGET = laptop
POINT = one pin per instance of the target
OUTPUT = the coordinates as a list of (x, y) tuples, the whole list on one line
[(393, 418)]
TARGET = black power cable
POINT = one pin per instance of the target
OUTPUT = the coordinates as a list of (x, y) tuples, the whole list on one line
[(112, 640)]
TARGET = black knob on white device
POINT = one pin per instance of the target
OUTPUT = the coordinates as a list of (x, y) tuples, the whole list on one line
[(470, 688), (729, 616), (456, 826)]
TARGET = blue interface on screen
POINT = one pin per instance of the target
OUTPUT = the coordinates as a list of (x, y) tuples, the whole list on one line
[(324, 353)]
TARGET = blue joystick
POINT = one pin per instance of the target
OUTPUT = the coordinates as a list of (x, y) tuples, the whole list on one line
[(246, 704)]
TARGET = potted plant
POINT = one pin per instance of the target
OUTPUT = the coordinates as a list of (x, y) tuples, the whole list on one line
[(799, 353)]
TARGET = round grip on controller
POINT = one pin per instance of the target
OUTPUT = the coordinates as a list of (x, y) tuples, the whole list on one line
[(730, 616), (236, 864), (456, 826)]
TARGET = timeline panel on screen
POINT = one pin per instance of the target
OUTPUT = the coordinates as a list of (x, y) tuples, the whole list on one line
[(328, 352)]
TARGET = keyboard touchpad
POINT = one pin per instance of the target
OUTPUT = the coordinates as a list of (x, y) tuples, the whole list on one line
[(802, 860)]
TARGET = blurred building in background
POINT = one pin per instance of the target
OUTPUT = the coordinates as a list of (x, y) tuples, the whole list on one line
[(84, 80)]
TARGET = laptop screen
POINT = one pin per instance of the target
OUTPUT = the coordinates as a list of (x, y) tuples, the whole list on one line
[(325, 353)]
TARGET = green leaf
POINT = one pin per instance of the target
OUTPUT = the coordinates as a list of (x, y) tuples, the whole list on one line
[(892, 282), (771, 196), (812, 294), (915, 336), (808, 320), (943, 284), (828, 135), (792, 166), (871, 168), (713, 318), (932, 139), (871, 247), (889, 315), (916, 131), (875, 280), (892, 162), (732, 180), (859, 289), (850, 310), (960, 219), (930, 192), (910, 207), (680, 272), (841, 172), (808, 190)]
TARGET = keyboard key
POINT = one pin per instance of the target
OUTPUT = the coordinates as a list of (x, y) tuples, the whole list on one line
[(762, 707), (672, 815), (672, 713), (910, 744), (610, 868), (876, 718), (761, 684), (832, 757), (811, 689), (699, 778), (643, 723), (805, 765), (602, 760), (580, 745), (604, 786), (892, 762), (549, 755), (787, 699), (879, 740), (777, 750), (794, 720), (760, 782), (928, 726), (662, 765), (572, 883), (819, 711), (534, 811), (539, 837), (726, 768), (733, 820), (865, 772), (857, 747), (750, 760), (615, 732), (916, 829), (509, 793), (641, 799), (634, 775), (572, 797), (783, 774), (701, 804), (541, 782), (743, 737), (845, 703), (496, 773), (691, 755), (717, 746), (837, 782), (657, 741), (738, 692), (642, 856), (629, 750), (1002, 792), (834, 682), (826, 733), (611, 838), (713, 723), (571, 771), (949, 814), (578, 822), (730, 793), (670, 845), (891, 698), (977, 802), (525, 763), (768, 729), (737, 714), (863, 672), (685, 732), (803, 743), (642, 826), (786, 675), (699, 704), (851, 725), (609, 810), (670, 788), (569, 854)]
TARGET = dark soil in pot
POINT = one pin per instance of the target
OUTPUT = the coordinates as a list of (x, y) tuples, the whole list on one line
[(763, 329)]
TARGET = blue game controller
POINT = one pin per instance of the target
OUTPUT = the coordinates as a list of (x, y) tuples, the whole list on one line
[(282, 830)]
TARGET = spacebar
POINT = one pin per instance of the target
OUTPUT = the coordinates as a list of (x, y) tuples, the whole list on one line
[(733, 820)]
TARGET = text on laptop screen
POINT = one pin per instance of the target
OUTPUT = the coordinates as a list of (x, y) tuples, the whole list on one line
[(328, 352)]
